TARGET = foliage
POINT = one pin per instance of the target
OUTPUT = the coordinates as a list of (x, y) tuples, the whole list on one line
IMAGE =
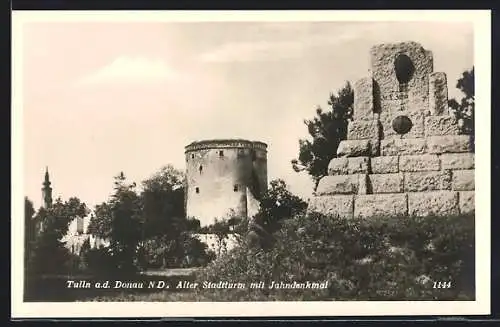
[(327, 129), (163, 204), (222, 228), (166, 238), (48, 254), (465, 108), (100, 261), (180, 252), (119, 221), (100, 224), (277, 205), (146, 229), (29, 228), (384, 258)]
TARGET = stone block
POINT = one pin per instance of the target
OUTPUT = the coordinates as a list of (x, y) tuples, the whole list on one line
[(463, 180), (394, 147), (416, 131), (427, 181), (338, 166), (341, 206), (386, 83), (438, 93), (423, 162), (457, 160), (385, 183), (363, 184), (466, 202), (341, 184), (363, 98), (349, 166), (354, 148), (358, 165), (385, 165), (363, 129), (372, 205), (441, 125), (449, 144), (375, 147), (439, 203)]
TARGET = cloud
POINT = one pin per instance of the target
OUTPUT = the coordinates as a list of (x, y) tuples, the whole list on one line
[(252, 51), (272, 50), (136, 70)]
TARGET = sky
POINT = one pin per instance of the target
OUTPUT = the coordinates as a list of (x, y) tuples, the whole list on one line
[(100, 98)]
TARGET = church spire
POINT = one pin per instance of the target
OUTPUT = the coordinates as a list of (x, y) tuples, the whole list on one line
[(47, 190)]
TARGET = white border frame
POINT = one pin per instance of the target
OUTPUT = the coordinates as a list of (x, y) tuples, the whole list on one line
[(481, 20)]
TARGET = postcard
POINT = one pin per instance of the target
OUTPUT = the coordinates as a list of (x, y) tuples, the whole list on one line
[(250, 163)]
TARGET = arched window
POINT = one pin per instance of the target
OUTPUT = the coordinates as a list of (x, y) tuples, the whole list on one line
[(200, 169)]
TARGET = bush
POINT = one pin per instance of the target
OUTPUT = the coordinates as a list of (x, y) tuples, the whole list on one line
[(182, 252), (383, 258), (49, 256), (98, 261)]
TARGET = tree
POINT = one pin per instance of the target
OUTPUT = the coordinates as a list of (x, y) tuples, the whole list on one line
[(101, 221), (125, 224), (146, 229), (465, 109), (163, 203), (277, 205), (29, 228), (327, 129), (166, 231), (119, 222), (49, 254)]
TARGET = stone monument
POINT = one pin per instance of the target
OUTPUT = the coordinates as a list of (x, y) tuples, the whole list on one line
[(405, 154)]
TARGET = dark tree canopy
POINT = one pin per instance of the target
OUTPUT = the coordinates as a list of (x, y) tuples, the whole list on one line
[(146, 227), (277, 205), (47, 253), (119, 221), (163, 203), (29, 212), (465, 108), (326, 130)]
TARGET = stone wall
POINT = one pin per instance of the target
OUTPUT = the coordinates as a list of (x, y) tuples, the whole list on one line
[(404, 153)]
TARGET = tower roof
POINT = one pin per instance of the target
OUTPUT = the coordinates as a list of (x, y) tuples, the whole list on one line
[(47, 177)]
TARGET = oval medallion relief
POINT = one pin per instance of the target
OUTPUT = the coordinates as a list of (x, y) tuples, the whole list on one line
[(402, 124)]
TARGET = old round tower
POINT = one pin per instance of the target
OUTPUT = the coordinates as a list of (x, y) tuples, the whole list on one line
[(224, 176)]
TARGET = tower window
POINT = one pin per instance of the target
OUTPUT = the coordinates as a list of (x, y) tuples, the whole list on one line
[(79, 225), (192, 156), (197, 190), (235, 188), (221, 153), (200, 169)]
